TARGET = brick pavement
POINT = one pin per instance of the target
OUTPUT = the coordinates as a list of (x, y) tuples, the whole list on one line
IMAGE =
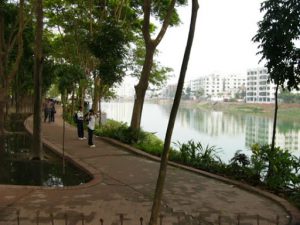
[(124, 182)]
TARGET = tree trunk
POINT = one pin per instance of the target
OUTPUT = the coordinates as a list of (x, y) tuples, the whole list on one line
[(38, 68), (100, 112), (270, 169), (73, 102), (96, 94), (7, 75), (81, 95), (275, 118), (2, 106), (2, 87), (141, 88), (165, 155)]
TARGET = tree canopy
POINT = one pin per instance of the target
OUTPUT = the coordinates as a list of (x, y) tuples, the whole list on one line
[(277, 35)]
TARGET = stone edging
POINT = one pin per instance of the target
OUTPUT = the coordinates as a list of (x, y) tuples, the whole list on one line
[(96, 177), (290, 209)]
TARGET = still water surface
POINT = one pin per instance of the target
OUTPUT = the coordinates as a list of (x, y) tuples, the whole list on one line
[(227, 132)]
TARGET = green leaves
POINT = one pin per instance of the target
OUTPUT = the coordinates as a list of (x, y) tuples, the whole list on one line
[(276, 36), (110, 46), (68, 76)]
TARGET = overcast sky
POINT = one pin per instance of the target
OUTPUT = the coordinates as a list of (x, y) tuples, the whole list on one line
[(222, 42)]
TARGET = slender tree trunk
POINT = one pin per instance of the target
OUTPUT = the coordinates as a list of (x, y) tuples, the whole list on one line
[(2, 106), (2, 89), (73, 102), (38, 68), (270, 169), (275, 118), (165, 155), (100, 111), (81, 95), (96, 93), (17, 98)]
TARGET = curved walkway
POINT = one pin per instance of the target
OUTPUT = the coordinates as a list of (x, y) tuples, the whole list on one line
[(124, 182)]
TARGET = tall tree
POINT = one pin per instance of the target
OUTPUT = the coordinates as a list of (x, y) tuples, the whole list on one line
[(38, 68), (110, 45), (277, 34), (165, 12), (11, 38), (165, 155)]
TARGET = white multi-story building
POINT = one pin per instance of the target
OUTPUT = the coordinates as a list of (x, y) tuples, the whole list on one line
[(219, 86), (213, 86), (196, 84), (259, 90), (234, 84)]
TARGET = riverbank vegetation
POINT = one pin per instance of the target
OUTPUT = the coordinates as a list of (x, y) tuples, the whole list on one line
[(285, 179), (286, 111)]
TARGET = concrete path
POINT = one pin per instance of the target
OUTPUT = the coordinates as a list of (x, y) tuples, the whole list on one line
[(124, 182)]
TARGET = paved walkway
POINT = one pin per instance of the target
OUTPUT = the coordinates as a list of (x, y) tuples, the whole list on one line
[(124, 183)]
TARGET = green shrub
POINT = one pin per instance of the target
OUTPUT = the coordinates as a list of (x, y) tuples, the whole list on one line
[(119, 131), (196, 155), (284, 166), (239, 168), (139, 138), (278, 168), (151, 144)]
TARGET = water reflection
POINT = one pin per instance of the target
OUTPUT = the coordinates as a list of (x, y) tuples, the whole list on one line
[(17, 168), (259, 130), (228, 131)]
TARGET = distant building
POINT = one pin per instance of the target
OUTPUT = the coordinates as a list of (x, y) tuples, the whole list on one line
[(169, 91), (234, 84), (259, 90), (218, 86)]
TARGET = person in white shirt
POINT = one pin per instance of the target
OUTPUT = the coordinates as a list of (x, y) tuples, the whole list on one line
[(91, 127), (79, 120)]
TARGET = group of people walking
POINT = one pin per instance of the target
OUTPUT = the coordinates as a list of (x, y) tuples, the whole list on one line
[(49, 110), (90, 118)]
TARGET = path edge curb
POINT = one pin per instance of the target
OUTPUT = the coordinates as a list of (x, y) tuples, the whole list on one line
[(95, 175), (293, 212)]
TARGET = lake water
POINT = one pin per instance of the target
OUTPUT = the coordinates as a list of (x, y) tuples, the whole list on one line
[(16, 167), (227, 132)]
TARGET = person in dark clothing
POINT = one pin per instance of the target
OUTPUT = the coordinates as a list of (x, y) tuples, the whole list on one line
[(91, 127), (52, 112), (47, 110)]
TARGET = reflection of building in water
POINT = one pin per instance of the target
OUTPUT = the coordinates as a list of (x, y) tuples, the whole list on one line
[(289, 140), (212, 123), (259, 130)]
